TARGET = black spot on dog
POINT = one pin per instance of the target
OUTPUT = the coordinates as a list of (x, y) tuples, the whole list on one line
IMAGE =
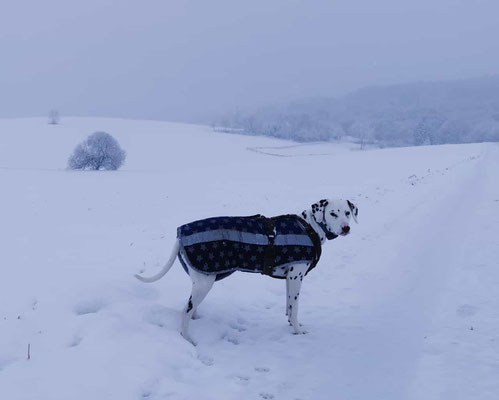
[(291, 269), (189, 305), (296, 297)]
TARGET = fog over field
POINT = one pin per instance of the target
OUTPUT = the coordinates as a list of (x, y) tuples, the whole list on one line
[(193, 61), (461, 111)]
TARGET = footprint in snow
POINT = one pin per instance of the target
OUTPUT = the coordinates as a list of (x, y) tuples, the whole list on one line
[(242, 379), (75, 341), (231, 338), (262, 369), (89, 307), (206, 360), (237, 326), (160, 316), (264, 395)]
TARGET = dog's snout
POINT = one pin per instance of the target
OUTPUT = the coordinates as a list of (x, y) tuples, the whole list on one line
[(345, 229)]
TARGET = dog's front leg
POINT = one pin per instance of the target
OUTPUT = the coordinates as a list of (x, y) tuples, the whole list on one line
[(294, 278)]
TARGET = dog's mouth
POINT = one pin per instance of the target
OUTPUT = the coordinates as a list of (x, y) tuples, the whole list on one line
[(331, 235)]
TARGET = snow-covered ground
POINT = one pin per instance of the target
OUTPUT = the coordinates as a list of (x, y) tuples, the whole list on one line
[(406, 307)]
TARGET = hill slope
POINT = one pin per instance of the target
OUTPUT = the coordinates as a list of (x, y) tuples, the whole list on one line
[(415, 113), (403, 308)]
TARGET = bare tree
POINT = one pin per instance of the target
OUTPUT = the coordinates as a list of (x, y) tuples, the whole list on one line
[(54, 117)]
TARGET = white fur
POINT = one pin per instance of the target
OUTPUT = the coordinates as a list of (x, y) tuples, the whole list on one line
[(334, 213)]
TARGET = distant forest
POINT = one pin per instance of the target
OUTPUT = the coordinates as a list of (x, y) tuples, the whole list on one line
[(410, 114)]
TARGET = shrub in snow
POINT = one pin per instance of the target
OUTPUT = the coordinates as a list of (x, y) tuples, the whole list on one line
[(99, 151)]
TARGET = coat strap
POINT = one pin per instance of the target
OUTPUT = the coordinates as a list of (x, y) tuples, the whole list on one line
[(269, 260)]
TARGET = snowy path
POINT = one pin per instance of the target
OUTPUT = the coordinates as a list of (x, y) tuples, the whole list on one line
[(461, 354), (394, 339), (406, 307)]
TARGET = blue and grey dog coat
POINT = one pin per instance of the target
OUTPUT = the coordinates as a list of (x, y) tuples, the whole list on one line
[(223, 245)]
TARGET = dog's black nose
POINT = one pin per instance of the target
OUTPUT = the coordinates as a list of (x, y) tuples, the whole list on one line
[(345, 229)]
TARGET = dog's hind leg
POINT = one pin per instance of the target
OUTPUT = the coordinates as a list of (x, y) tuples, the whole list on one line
[(294, 278), (201, 285)]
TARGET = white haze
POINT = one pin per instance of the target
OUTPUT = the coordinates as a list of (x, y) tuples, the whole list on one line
[(190, 60)]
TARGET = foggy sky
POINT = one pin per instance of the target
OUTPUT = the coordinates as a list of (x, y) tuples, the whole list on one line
[(190, 60)]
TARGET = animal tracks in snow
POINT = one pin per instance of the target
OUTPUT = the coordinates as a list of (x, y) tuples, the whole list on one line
[(161, 316), (75, 341), (414, 179), (206, 360), (231, 338), (240, 327), (89, 307)]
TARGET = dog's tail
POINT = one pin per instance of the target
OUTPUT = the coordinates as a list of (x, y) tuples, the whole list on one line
[(165, 269)]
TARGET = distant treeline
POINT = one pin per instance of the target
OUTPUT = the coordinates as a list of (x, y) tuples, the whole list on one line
[(411, 114)]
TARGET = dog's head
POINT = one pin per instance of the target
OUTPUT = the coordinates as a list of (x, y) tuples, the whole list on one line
[(334, 216)]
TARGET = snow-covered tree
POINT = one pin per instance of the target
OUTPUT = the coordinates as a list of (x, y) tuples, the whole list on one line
[(426, 130), (100, 151), (399, 115)]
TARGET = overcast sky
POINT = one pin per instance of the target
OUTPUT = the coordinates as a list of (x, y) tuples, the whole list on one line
[(188, 60)]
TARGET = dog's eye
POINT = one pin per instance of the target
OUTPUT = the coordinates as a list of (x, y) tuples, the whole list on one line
[(347, 213), (334, 215)]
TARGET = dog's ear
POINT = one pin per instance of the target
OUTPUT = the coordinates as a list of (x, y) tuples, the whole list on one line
[(318, 210), (354, 210)]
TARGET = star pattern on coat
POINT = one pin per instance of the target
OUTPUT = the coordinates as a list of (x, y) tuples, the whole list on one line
[(226, 244)]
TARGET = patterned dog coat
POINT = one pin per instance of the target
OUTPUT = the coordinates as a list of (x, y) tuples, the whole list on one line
[(223, 245)]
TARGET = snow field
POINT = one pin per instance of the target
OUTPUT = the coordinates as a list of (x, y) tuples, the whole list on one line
[(389, 309)]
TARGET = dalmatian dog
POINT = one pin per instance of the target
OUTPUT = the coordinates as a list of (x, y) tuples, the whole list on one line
[(329, 218)]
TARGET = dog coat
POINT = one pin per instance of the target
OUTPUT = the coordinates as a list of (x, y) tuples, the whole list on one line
[(223, 245)]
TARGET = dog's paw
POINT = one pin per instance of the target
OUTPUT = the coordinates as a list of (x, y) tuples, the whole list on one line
[(195, 315), (299, 330)]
